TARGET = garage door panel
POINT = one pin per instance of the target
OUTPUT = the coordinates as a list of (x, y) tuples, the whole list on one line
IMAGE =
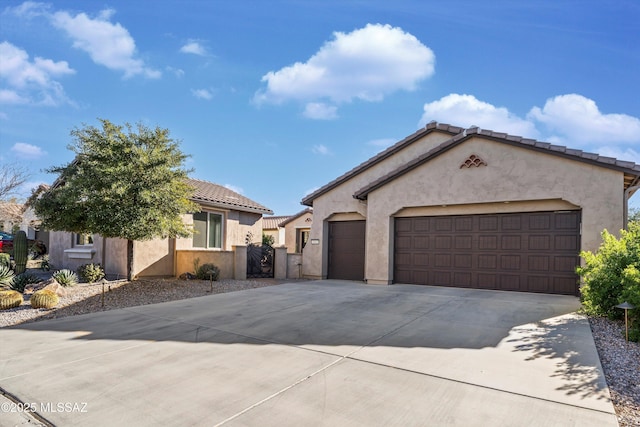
[(442, 278), (530, 252), (463, 261), (511, 243), (420, 242), (539, 284), (566, 243), (488, 262), (488, 242), (510, 262), (539, 243), (539, 263)]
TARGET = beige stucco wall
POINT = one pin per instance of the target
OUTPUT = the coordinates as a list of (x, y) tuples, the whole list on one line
[(275, 234), (59, 241), (515, 180), (236, 226), (303, 222), (222, 259), (340, 200), (153, 258)]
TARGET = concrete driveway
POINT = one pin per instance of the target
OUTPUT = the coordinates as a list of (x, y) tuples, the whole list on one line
[(315, 353)]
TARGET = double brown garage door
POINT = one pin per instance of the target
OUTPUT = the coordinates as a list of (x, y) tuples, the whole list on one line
[(528, 252)]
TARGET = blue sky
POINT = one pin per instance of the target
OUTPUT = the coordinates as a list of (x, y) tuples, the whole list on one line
[(276, 98)]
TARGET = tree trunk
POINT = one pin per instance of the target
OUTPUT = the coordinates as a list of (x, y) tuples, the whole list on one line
[(130, 269)]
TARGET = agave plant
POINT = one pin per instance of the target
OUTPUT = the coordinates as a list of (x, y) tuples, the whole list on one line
[(21, 281), (6, 277), (66, 277)]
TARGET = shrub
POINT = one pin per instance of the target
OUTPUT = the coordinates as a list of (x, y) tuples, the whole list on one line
[(44, 298), (45, 265), (612, 276), (66, 277), (6, 277), (22, 280), (10, 299), (208, 272), (90, 272)]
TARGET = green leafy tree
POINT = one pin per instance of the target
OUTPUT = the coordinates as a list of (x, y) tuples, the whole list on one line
[(125, 182)]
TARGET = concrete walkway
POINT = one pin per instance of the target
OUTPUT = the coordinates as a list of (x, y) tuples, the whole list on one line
[(316, 353)]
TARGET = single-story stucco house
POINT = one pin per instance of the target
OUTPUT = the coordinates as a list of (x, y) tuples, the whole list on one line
[(225, 221), (472, 208), (291, 231)]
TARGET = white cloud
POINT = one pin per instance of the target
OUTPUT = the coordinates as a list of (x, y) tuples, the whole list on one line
[(320, 111), (572, 120), (194, 47), (467, 111), (320, 149), (202, 93), (30, 81), (29, 9), (367, 64), (382, 142), (577, 118), (106, 43), (27, 151), (178, 72)]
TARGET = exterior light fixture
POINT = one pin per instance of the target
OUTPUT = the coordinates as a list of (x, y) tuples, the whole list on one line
[(626, 307)]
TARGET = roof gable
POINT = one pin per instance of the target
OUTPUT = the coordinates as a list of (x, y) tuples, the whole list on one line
[(383, 155), (631, 170), (296, 216), (210, 194)]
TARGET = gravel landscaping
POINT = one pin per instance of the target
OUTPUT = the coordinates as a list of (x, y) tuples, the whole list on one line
[(620, 360)]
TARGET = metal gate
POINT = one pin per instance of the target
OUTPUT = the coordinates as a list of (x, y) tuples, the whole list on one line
[(260, 261)]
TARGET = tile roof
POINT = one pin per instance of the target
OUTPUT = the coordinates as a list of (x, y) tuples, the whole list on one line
[(630, 169), (11, 211), (215, 195), (273, 222)]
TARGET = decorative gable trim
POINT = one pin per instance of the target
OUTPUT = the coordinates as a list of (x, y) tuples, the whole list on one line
[(473, 160)]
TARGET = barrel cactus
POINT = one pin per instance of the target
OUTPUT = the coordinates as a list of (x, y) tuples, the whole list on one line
[(20, 251), (44, 298), (10, 299)]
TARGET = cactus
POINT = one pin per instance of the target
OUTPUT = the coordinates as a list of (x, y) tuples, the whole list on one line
[(44, 298), (90, 273), (10, 299), (20, 251), (66, 277)]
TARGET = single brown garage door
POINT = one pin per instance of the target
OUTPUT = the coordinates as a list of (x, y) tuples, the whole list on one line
[(527, 252), (346, 250)]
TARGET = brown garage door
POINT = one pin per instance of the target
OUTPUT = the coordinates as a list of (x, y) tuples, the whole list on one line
[(346, 250), (527, 252)]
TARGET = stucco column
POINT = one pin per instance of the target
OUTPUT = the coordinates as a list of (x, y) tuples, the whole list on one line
[(280, 263), (240, 262)]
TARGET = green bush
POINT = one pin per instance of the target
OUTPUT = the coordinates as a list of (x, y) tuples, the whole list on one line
[(90, 272), (65, 277), (22, 280), (207, 271), (612, 276), (45, 265), (6, 277)]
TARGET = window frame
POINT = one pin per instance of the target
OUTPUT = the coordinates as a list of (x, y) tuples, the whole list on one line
[(207, 237)]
